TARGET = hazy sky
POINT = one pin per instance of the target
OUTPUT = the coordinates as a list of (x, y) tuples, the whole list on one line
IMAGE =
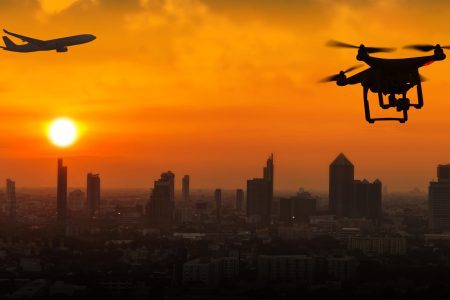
[(211, 87)]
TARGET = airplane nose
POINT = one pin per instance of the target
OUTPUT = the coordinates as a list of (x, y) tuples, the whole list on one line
[(93, 37)]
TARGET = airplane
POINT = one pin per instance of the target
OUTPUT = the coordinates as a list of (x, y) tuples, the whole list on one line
[(33, 45), (388, 77)]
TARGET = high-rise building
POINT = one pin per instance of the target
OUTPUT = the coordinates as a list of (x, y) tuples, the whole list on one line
[(297, 209), (439, 201), (341, 178), (260, 195), (185, 188), (61, 196), (76, 200), (258, 201), (443, 173), (93, 194), (160, 208), (218, 201), (11, 199), (169, 177), (367, 199), (239, 199), (268, 173)]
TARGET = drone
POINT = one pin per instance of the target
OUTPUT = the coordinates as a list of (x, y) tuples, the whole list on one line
[(389, 77)]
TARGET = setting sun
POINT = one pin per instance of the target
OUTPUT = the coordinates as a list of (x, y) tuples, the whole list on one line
[(62, 132)]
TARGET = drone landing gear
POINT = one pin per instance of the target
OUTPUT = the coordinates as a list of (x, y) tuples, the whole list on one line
[(401, 105), (419, 97)]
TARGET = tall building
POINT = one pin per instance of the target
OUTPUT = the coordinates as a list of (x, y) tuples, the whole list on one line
[(93, 194), (169, 177), (439, 200), (260, 195), (160, 208), (61, 196), (367, 199), (341, 178), (218, 201), (76, 200), (268, 170), (443, 173), (239, 200), (268, 173), (259, 201), (11, 199), (185, 188)]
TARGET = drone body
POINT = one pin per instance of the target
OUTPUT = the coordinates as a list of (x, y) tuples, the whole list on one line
[(388, 77)]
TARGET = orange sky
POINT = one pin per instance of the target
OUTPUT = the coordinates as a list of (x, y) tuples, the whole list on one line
[(211, 87)]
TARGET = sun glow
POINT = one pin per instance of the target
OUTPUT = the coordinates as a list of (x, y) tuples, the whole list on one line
[(62, 132)]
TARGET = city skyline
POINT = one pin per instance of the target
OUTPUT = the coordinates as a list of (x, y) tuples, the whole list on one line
[(143, 108), (192, 149), (78, 178)]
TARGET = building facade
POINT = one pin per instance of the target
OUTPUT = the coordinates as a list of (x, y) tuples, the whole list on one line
[(11, 199), (185, 188), (341, 176), (439, 200), (93, 194), (160, 208), (260, 196), (61, 196)]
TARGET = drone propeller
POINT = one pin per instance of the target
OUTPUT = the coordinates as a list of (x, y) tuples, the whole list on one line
[(426, 47), (337, 76), (338, 44)]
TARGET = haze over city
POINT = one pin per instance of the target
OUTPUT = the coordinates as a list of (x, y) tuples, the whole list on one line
[(210, 88)]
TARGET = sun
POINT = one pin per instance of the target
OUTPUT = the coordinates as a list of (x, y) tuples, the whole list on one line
[(62, 132)]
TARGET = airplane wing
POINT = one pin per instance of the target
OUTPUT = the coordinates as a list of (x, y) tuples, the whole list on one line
[(25, 38)]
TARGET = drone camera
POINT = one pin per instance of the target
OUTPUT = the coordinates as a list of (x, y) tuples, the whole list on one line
[(439, 53), (362, 53)]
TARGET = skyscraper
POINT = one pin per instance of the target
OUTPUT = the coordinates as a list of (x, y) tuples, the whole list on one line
[(239, 200), (185, 188), (218, 201), (61, 195), (341, 178), (439, 200), (160, 208), (367, 199), (260, 195), (93, 194), (258, 201), (11, 199), (268, 173), (443, 173)]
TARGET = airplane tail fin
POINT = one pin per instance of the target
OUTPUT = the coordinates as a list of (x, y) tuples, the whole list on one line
[(8, 43)]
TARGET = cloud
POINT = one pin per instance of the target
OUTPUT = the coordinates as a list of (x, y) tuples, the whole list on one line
[(53, 7)]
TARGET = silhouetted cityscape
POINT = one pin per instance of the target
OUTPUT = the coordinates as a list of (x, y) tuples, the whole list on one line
[(170, 243)]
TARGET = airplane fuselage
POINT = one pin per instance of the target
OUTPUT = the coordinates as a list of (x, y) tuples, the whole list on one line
[(60, 44)]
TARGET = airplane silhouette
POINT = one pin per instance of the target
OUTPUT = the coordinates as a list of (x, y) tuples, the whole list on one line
[(33, 45)]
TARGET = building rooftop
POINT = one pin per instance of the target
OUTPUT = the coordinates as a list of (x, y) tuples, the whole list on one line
[(341, 160)]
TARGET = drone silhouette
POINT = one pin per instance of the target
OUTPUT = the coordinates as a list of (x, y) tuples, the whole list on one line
[(388, 77)]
